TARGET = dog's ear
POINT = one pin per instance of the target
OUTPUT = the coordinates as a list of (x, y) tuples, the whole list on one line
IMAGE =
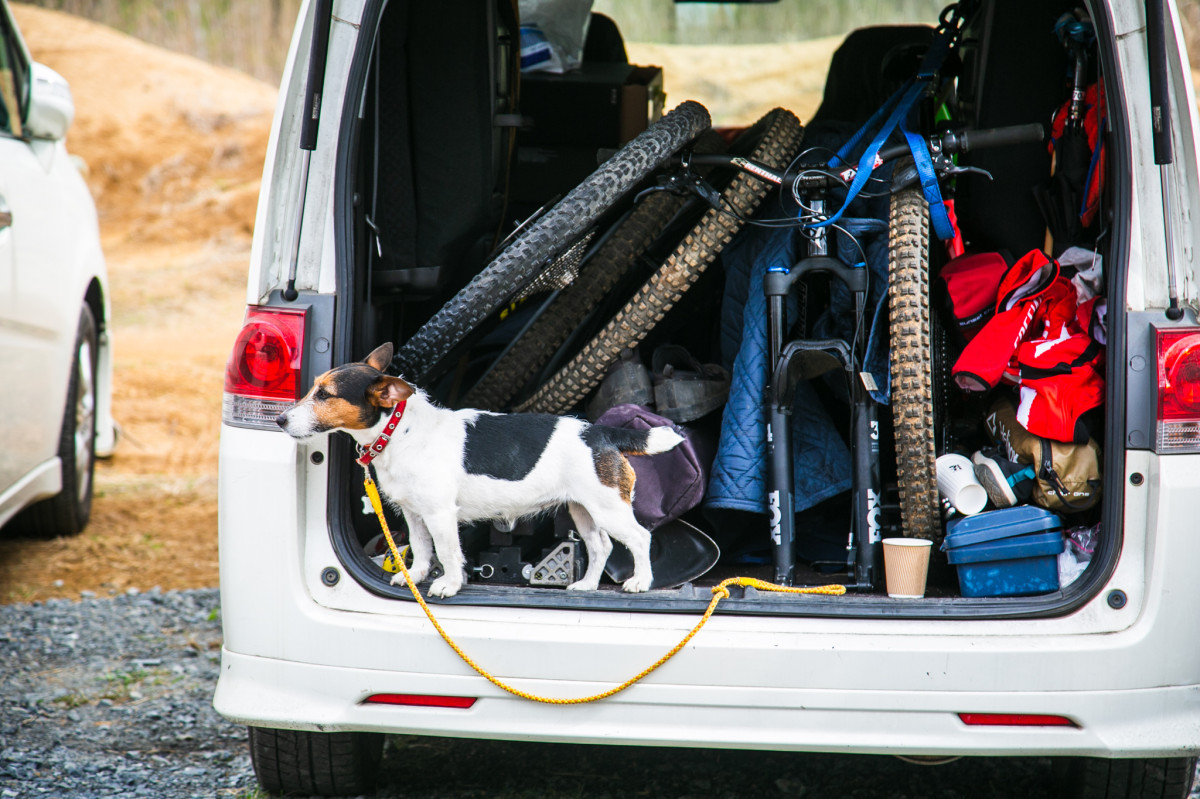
[(387, 392), (381, 357)]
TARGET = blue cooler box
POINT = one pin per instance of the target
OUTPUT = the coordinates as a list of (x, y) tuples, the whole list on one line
[(1007, 552)]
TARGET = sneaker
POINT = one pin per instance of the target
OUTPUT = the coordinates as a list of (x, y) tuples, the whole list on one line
[(685, 389), (627, 382), (1007, 483)]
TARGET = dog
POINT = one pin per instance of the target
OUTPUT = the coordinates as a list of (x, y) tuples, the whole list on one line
[(440, 467)]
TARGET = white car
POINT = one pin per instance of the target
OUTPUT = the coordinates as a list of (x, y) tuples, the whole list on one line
[(55, 414), (384, 226)]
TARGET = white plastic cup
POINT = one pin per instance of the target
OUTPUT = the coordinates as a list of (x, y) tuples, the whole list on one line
[(906, 566), (956, 482)]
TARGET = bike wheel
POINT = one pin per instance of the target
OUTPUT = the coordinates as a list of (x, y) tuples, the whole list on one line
[(597, 277), (912, 395), (699, 248), (546, 238)]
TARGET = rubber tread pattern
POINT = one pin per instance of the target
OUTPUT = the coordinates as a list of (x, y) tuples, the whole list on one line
[(911, 356), (597, 277), (699, 248), (1139, 778), (65, 514), (547, 237), (303, 763)]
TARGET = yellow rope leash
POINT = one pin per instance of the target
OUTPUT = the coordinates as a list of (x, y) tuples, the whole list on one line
[(719, 592)]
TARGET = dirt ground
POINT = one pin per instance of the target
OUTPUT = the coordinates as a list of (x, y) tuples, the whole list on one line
[(175, 148)]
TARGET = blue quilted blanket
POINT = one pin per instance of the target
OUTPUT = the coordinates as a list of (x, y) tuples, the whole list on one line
[(822, 464)]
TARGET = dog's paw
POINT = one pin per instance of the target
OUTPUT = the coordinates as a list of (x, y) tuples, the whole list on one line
[(418, 576), (445, 587), (584, 585), (638, 583)]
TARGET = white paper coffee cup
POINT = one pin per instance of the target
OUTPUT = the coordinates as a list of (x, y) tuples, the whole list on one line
[(956, 482), (906, 566)]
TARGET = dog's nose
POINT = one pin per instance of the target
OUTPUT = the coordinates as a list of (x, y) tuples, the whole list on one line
[(281, 420)]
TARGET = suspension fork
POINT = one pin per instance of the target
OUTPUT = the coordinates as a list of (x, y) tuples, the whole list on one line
[(781, 505), (866, 494), (865, 528)]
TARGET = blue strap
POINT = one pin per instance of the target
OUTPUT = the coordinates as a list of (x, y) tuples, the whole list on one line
[(866, 163), (843, 154), (1092, 165), (939, 217), (896, 109)]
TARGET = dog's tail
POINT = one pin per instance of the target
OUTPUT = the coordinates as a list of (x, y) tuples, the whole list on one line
[(632, 442), (661, 439)]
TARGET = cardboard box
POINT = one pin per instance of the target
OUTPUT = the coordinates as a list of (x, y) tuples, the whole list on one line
[(642, 101)]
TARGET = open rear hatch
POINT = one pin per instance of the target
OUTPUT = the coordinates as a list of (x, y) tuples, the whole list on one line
[(437, 166)]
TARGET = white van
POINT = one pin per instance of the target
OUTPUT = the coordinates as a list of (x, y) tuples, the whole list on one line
[(55, 306), (395, 221)]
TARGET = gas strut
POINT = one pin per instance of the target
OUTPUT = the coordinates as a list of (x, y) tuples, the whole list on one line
[(1160, 118), (319, 50)]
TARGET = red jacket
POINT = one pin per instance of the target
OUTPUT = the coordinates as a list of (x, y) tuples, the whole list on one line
[(1019, 308), (1037, 340)]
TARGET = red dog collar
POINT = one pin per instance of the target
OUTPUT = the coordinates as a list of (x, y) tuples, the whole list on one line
[(372, 452)]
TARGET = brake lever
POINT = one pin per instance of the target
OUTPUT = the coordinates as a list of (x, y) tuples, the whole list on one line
[(955, 171), (909, 177)]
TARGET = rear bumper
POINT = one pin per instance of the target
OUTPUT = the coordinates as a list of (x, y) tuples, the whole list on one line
[(1138, 723), (302, 653)]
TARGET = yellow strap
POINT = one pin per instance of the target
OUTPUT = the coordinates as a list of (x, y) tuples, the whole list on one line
[(719, 592)]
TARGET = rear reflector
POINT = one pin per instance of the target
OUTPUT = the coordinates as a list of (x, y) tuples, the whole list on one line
[(1015, 720), (1178, 390), (262, 377), (420, 700)]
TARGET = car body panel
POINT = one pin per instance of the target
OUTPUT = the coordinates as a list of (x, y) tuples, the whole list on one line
[(303, 650), (51, 263), (295, 695)]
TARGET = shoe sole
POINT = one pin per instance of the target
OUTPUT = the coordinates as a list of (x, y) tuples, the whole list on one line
[(994, 482), (688, 400)]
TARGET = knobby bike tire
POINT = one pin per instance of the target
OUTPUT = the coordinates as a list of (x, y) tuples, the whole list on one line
[(546, 238), (699, 248), (598, 275), (912, 365)]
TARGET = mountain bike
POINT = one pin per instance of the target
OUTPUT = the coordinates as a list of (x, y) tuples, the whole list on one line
[(812, 187)]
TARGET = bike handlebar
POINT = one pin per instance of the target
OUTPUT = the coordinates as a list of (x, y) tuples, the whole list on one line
[(949, 143), (965, 140), (952, 142)]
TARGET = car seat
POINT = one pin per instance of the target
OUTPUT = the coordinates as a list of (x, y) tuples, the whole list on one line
[(441, 142), (866, 70)]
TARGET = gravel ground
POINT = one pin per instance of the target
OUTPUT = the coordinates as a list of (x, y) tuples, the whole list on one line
[(113, 698)]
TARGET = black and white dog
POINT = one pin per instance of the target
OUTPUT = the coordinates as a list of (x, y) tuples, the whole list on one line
[(441, 467)]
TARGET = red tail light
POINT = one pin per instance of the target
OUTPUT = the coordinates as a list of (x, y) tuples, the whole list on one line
[(420, 700), (1179, 390), (262, 377), (1015, 720)]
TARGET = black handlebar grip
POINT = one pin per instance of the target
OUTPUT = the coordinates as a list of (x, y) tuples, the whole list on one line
[(993, 137)]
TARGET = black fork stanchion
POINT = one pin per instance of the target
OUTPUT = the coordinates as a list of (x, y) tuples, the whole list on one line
[(865, 526), (780, 502), (866, 494)]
